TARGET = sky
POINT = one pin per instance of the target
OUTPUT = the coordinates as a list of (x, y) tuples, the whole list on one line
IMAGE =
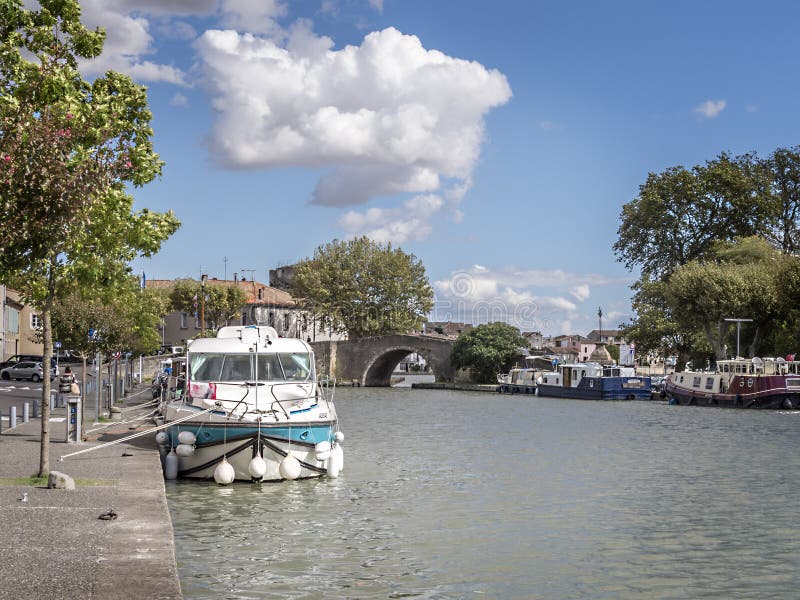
[(496, 141)]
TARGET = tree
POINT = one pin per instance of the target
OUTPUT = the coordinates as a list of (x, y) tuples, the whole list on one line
[(364, 288), (222, 302), (680, 214), (779, 177), (487, 350), (738, 280), (67, 150), (125, 320)]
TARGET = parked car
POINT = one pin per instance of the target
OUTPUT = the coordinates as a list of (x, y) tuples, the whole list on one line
[(26, 369), (26, 357)]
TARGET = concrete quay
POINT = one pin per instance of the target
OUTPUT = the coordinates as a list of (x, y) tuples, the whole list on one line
[(54, 545)]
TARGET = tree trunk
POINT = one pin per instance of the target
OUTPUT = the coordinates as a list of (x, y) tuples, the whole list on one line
[(715, 341), (47, 340)]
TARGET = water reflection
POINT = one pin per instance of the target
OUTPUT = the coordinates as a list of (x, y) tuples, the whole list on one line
[(468, 495)]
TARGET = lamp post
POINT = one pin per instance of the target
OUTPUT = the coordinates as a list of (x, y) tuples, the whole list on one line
[(203, 279), (738, 330), (600, 320)]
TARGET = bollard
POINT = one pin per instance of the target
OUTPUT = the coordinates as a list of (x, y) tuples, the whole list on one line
[(26, 412), (12, 417), (1, 421), (36, 410), (53, 399)]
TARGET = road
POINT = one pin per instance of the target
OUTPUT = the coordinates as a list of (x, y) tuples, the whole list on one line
[(16, 393)]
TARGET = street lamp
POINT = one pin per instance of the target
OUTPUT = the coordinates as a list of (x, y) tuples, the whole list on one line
[(600, 319), (738, 329), (203, 279)]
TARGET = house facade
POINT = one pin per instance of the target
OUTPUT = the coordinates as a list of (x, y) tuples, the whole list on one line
[(265, 305), (20, 325)]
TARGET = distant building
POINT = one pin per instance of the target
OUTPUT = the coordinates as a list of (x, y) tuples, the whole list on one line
[(448, 329), (20, 325), (609, 336), (535, 339), (265, 305), (281, 277)]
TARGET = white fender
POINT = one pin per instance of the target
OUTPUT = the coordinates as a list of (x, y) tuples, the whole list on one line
[(184, 450), (336, 461), (257, 467), (289, 467), (171, 465), (224, 473), (322, 451), (338, 436), (162, 438), (187, 437)]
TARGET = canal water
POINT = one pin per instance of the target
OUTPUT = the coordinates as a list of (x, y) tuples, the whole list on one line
[(450, 494)]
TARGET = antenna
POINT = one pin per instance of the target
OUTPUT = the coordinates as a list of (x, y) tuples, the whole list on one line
[(251, 271), (225, 260)]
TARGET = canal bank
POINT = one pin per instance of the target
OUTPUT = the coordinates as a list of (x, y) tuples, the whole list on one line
[(109, 538)]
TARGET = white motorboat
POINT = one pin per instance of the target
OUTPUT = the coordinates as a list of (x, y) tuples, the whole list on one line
[(251, 408)]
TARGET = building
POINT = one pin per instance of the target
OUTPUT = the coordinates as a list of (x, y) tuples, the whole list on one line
[(20, 325), (448, 329), (265, 305), (535, 339), (607, 336)]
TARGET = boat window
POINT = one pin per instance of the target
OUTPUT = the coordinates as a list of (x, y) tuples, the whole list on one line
[(696, 382), (236, 367), (205, 367), (709, 383), (296, 366), (269, 368)]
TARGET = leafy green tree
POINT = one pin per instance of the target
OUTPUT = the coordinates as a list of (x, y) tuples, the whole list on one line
[(222, 302), (364, 288), (67, 150), (122, 321), (487, 350), (680, 214), (742, 281), (778, 177)]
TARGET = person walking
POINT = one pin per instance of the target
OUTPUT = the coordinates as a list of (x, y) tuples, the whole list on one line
[(65, 384)]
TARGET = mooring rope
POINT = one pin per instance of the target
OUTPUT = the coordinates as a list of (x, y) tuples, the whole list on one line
[(139, 434)]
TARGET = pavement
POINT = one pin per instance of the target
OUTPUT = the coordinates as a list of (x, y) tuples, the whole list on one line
[(54, 545)]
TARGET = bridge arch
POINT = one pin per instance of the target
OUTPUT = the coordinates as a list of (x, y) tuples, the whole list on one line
[(370, 361)]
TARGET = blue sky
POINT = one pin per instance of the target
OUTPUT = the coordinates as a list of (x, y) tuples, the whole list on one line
[(495, 141)]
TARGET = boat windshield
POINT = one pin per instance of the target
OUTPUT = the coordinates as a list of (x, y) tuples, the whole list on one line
[(210, 366)]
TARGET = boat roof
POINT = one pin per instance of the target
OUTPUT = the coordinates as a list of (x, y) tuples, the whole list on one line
[(244, 338)]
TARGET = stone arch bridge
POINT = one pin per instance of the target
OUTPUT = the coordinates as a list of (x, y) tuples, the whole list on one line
[(370, 361)]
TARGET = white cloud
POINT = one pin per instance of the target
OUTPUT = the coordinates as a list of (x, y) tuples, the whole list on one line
[(532, 299), (377, 5), (711, 108), (385, 117), (581, 292), (128, 40), (259, 16), (178, 100), (397, 225), (546, 125)]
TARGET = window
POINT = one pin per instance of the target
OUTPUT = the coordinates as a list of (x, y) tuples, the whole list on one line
[(709, 383), (695, 382), (260, 293), (271, 321), (36, 321), (286, 322)]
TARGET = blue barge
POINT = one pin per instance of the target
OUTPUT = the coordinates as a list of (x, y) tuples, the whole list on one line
[(592, 381)]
